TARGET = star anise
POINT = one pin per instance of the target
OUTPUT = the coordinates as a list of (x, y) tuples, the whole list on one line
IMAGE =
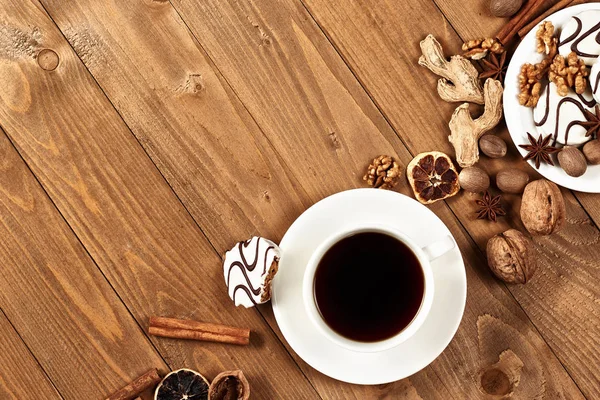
[(593, 122), (539, 150), (489, 207), (495, 67)]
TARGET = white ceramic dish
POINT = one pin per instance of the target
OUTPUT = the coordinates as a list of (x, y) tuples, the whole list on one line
[(519, 119), (365, 207)]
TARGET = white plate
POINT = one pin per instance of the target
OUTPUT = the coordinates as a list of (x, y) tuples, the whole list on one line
[(327, 217), (519, 119)]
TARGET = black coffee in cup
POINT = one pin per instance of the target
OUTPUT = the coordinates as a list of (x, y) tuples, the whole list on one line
[(369, 286)]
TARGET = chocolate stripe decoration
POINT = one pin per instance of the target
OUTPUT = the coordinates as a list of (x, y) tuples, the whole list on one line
[(244, 289), (588, 103), (559, 109), (574, 46), (597, 82), (574, 35)]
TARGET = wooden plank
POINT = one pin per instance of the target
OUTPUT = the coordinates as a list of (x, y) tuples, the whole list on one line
[(287, 75), (21, 377), (474, 20), (188, 119), (121, 208), (368, 55), (56, 297)]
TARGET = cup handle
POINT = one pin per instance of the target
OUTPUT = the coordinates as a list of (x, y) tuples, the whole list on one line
[(439, 248)]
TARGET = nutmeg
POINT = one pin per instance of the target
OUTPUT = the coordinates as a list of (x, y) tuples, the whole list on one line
[(512, 180), (505, 8), (511, 256), (492, 146), (542, 208), (572, 161), (474, 180), (591, 150)]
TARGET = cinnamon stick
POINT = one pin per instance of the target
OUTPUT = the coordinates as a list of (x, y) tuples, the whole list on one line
[(558, 6), (137, 386), (528, 11), (196, 330)]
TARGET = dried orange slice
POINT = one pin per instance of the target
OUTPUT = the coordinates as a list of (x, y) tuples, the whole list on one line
[(183, 384), (433, 177)]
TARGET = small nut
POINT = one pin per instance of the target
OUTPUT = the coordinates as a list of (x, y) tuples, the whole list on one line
[(229, 385), (543, 208), (572, 161), (505, 8), (383, 172), (591, 150), (492, 146), (512, 180), (474, 180), (511, 256)]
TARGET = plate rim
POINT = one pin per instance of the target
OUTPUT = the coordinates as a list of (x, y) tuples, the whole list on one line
[(516, 125)]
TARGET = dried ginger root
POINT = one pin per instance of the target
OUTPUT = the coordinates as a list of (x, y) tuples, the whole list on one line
[(477, 49), (460, 79), (569, 73), (465, 132)]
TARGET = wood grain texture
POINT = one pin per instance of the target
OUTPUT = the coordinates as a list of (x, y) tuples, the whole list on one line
[(123, 211), (187, 118), (56, 297), (25, 379), (295, 77), (363, 51)]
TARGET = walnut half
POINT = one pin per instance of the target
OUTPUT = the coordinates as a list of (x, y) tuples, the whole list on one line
[(569, 73), (383, 172)]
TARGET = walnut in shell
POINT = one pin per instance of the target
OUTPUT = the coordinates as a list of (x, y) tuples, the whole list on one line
[(465, 131), (542, 208), (511, 256), (229, 385), (433, 177), (460, 79)]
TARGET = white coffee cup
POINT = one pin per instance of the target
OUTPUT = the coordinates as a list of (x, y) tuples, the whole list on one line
[(423, 254)]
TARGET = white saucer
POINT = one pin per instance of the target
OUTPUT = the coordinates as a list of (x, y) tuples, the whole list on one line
[(519, 119), (319, 222)]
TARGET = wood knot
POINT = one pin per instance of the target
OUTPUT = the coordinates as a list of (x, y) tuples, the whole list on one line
[(48, 59), (334, 140), (194, 84), (496, 382)]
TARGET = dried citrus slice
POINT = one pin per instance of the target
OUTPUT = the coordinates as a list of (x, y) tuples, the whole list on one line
[(433, 177), (183, 384)]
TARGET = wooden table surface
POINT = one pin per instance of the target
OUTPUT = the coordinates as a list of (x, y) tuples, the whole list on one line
[(169, 130)]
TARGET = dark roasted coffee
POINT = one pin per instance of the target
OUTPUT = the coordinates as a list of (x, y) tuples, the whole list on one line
[(369, 286)]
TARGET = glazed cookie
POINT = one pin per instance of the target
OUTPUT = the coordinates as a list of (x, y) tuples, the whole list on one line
[(568, 110), (582, 35), (249, 269)]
